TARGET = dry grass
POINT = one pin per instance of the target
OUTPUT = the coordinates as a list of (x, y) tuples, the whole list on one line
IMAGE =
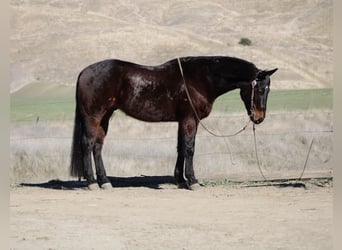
[(41, 151)]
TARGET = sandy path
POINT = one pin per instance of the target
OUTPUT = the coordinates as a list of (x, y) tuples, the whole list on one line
[(220, 217)]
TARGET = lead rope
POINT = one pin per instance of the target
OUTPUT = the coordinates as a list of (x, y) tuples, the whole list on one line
[(196, 114), (256, 154), (242, 129), (306, 160), (254, 135)]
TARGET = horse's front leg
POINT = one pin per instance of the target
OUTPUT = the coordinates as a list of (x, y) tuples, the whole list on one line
[(184, 171)]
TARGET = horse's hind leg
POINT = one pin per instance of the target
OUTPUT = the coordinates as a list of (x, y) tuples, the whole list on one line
[(88, 144), (101, 175), (100, 169)]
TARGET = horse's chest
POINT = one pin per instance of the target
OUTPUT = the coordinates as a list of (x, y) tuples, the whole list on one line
[(200, 104)]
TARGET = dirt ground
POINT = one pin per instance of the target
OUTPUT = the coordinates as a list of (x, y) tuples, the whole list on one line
[(159, 216)]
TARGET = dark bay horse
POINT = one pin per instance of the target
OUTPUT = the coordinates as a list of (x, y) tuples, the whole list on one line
[(156, 94)]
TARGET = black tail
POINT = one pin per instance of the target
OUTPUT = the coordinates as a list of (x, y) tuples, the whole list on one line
[(76, 167)]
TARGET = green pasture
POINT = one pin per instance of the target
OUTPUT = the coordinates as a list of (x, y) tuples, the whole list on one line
[(56, 102), (284, 100)]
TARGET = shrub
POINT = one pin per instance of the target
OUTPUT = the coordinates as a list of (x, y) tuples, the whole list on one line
[(245, 41)]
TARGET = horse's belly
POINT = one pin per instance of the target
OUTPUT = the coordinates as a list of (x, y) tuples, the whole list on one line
[(151, 111)]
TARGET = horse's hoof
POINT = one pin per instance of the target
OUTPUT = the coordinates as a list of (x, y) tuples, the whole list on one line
[(183, 185), (195, 186), (93, 186), (106, 186)]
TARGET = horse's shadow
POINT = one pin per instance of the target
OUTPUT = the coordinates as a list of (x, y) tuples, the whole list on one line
[(153, 182)]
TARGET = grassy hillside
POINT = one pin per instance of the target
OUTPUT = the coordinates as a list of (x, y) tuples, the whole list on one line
[(51, 41), (56, 102), (44, 102)]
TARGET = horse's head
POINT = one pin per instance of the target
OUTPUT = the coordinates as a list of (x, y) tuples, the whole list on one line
[(254, 95)]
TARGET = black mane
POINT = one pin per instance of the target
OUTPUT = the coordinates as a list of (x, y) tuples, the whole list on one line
[(227, 67)]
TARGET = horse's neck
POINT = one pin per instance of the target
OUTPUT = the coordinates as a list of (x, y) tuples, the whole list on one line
[(220, 85), (217, 82)]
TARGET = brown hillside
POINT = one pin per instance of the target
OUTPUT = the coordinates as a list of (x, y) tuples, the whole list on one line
[(51, 41)]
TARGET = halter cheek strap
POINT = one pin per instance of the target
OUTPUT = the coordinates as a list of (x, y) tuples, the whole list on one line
[(254, 83)]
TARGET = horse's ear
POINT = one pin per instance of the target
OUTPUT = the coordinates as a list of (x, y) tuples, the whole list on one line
[(263, 73), (270, 72)]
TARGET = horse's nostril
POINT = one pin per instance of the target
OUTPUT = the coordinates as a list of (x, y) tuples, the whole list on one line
[(259, 121)]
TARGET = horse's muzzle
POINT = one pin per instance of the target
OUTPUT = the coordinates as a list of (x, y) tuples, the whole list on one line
[(257, 116)]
